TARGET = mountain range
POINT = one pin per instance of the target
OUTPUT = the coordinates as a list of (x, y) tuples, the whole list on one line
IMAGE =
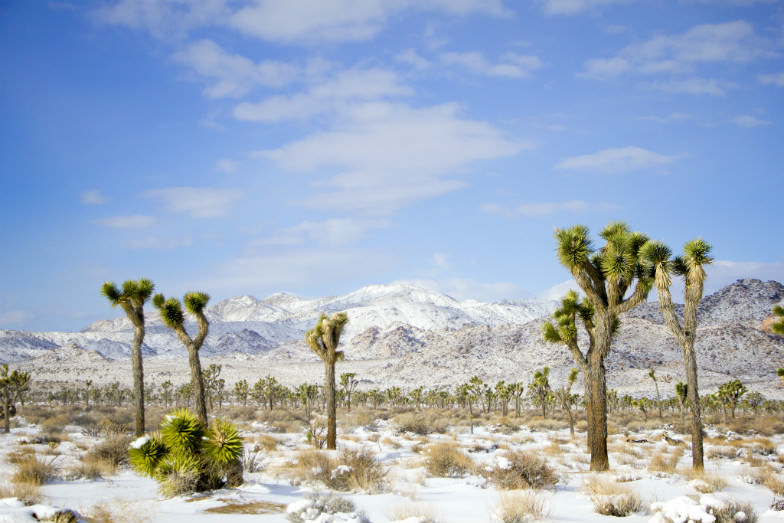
[(405, 335)]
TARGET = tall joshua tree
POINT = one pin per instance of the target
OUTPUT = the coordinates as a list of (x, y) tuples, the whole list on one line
[(323, 339), (606, 275), (173, 317), (132, 298), (652, 375), (696, 254)]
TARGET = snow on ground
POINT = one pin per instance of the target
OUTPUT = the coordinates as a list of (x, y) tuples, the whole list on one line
[(276, 494)]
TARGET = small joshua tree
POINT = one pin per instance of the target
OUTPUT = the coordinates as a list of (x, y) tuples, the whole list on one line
[(652, 375), (730, 393), (349, 383), (172, 316), (539, 390), (567, 400), (188, 456), (696, 254), (778, 325), (132, 298), (323, 339)]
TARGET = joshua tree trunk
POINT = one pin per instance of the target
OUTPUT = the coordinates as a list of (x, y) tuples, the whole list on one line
[(596, 400), (197, 377), (329, 392), (138, 370)]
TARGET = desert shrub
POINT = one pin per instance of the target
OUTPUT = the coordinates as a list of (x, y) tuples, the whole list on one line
[(353, 470), (446, 460), (54, 424), (420, 423), (704, 482), (33, 470), (312, 506), (521, 507), (357, 418), (665, 463), (113, 451), (189, 457), (708, 508), (27, 493), (610, 498), (521, 470), (415, 512), (281, 420)]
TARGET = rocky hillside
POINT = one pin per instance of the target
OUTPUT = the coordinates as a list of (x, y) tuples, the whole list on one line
[(408, 336)]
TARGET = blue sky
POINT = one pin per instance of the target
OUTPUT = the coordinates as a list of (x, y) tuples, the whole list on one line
[(311, 146)]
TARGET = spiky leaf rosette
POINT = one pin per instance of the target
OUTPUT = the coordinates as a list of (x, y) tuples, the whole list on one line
[(182, 433), (196, 301), (146, 454), (223, 443), (178, 474)]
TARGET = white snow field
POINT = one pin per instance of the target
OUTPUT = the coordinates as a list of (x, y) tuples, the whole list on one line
[(650, 474)]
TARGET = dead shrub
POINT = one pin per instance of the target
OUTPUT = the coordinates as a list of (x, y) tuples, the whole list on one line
[(610, 498), (666, 463), (352, 470), (521, 507), (734, 512), (420, 423), (521, 470), (113, 451), (447, 460), (33, 470)]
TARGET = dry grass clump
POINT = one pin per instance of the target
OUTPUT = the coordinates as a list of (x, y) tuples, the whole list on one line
[(357, 417), (27, 493), (420, 512), (447, 460), (540, 424), (352, 470), (722, 452), (285, 421), (113, 451), (32, 470), (704, 482), (610, 498), (734, 512), (521, 470), (521, 507), (313, 506), (421, 423), (666, 463)]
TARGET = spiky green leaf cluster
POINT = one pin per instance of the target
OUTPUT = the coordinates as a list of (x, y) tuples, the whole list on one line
[(196, 301), (565, 328), (147, 457), (182, 432), (136, 292), (171, 310), (223, 444), (187, 456), (778, 325), (574, 246)]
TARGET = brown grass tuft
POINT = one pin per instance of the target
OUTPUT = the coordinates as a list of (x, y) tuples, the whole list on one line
[(521, 470), (447, 460)]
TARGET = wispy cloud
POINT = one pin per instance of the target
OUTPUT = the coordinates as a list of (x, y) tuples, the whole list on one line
[(747, 120), (573, 7), (151, 242), (199, 202), (333, 232), (411, 57), (511, 65), (233, 75), (93, 197), (330, 95), (776, 79), (391, 155), (681, 56), (128, 222), (546, 208), (616, 161)]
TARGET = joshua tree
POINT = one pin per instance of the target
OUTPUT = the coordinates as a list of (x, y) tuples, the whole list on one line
[(349, 383), (730, 393), (20, 383), (652, 375), (5, 383), (696, 254), (173, 317), (567, 400), (132, 298), (539, 390), (241, 391), (682, 391), (778, 325), (605, 275), (323, 339)]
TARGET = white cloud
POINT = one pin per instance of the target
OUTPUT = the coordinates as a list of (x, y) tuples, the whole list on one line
[(162, 18), (391, 155), (511, 65), (233, 75), (683, 54), (747, 120), (468, 289), (332, 232), (556, 292), (546, 208), (199, 202), (573, 7), (93, 197), (294, 269), (776, 79), (328, 95), (128, 222), (309, 21), (161, 243), (411, 57), (227, 166), (614, 161)]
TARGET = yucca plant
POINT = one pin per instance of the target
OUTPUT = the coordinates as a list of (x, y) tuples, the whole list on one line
[(187, 456)]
